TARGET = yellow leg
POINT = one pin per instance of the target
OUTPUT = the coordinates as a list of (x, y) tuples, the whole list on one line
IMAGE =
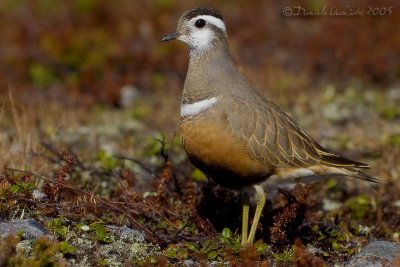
[(245, 223), (260, 196)]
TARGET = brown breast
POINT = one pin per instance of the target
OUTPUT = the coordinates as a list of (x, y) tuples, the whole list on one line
[(213, 149)]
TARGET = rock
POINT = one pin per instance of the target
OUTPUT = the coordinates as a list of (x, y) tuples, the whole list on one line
[(129, 245), (128, 95), (126, 233), (29, 229), (190, 263), (376, 254)]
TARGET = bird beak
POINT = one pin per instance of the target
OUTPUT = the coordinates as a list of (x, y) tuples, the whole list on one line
[(169, 37)]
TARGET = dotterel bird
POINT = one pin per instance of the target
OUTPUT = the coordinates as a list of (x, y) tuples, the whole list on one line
[(235, 135)]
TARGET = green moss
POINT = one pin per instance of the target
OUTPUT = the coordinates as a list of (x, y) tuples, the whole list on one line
[(156, 145), (165, 3), (176, 253), (390, 112), (57, 227), (85, 6), (140, 111), (41, 75), (359, 206), (107, 160), (158, 80), (212, 250), (42, 253), (22, 187), (48, 9), (101, 232), (8, 249), (386, 107), (230, 239), (66, 248), (394, 140), (285, 256), (9, 6)]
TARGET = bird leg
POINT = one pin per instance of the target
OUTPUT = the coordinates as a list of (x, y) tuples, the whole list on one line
[(260, 197), (245, 222)]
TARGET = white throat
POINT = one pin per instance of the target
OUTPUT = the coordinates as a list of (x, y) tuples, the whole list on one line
[(196, 108)]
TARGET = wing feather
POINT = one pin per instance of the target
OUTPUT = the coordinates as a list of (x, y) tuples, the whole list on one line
[(276, 140)]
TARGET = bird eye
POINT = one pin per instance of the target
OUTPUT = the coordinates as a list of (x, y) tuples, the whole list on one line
[(200, 23)]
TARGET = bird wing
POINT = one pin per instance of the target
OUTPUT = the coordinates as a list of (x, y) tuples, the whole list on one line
[(276, 140)]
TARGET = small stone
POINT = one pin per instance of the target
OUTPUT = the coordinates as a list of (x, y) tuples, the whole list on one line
[(190, 263), (376, 254), (125, 233), (38, 195), (330, 205), (128, 95), (29, 229), (85, 228)]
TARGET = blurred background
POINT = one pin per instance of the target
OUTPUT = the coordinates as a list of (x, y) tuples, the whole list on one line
[(62, 63)]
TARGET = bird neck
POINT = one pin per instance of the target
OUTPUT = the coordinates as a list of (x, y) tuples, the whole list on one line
[(207, 72)]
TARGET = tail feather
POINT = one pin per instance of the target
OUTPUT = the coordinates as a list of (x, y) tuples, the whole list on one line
[(361, 175), (346, 167), (365, 176), (339, 161), (284, 177)]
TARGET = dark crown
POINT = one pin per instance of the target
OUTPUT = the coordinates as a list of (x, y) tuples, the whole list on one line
[(198, 11)]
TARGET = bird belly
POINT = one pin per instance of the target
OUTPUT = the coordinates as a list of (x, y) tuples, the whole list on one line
[(221, 157)]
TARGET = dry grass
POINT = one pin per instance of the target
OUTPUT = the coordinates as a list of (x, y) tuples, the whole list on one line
[(25, 125), (21, 135)]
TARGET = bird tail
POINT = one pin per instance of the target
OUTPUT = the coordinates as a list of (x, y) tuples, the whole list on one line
[(365, 176), (348, 167)]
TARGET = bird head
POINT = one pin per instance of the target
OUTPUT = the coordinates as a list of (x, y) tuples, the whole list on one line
[(200, 28)]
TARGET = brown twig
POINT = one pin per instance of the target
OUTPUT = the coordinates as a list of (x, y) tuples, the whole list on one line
[(99, 200)]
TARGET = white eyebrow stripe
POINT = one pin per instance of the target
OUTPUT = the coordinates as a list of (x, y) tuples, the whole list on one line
[(197, 107), (213, 20)]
